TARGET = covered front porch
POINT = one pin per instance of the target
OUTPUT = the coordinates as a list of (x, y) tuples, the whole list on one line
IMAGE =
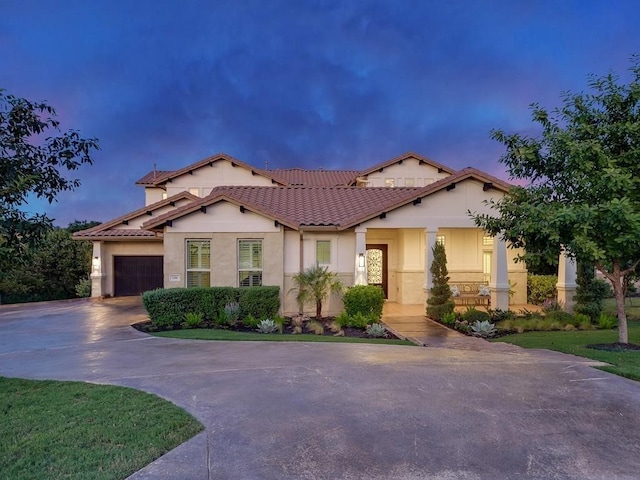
[(399, 261)]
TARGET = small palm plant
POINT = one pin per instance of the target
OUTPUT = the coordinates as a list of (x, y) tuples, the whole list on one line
[(315, 284)]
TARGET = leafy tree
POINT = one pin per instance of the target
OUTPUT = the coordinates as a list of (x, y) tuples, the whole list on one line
[(50, 270), (583, 173), (439, 301), (590, 291), (32, 163), (315, 284)]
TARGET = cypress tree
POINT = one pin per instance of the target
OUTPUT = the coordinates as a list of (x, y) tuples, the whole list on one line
[(440, 298)]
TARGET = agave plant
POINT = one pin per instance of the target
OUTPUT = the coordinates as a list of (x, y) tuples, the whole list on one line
[(267, 326), (376, 330), (483, 329)]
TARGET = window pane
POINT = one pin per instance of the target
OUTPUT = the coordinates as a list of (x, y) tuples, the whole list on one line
[(389, 182), (486, 240), (249, 263), (198, 279), (409, 182), (323, 252), (440, 239)]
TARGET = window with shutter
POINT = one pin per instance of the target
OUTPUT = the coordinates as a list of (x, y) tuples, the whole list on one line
[(198, 263), (249, 263)]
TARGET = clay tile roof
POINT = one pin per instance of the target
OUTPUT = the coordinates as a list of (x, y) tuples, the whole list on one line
[(402, 157), (333, 207), (314, 178), (150, 177), (104, 228)]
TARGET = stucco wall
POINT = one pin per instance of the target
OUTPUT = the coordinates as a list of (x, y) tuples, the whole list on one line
[(342, 262), (220, 173), (223, 217), (224, 257), (133, 248), (152, 195)]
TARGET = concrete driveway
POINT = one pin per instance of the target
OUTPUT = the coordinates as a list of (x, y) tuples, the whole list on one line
[(339, 411)]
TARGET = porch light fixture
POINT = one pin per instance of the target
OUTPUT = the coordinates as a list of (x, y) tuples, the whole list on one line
[(95, 264), (361, 260)]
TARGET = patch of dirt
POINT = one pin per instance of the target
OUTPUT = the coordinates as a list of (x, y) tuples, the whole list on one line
[(147, 327), (615, 347)]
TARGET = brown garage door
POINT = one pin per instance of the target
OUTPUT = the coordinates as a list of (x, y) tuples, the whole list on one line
[(134, 275)]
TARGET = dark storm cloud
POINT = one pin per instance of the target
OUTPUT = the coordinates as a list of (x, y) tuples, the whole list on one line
[(318, 84)]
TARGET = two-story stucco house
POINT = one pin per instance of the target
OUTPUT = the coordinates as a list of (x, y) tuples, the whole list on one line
[(222, 222)]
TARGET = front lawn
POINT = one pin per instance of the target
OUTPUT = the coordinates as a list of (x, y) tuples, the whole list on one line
[(626, 364), (76, 430), (220, 334)]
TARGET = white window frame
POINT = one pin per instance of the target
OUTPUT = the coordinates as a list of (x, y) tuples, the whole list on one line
[(200, 269), (252, 269), (389, 182)]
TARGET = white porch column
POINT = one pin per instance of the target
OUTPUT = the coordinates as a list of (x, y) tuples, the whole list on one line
[(499, 283), (430, 239), (360, 272), (566, 285), (97, 275)]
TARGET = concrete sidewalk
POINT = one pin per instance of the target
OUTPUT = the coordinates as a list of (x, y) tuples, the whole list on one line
[(350, 411)]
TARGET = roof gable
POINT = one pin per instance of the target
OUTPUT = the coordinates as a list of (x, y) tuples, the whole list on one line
[(398, 160), (107, 229), (209, 161)]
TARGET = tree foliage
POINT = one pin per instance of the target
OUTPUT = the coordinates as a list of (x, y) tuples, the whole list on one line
[(440, 297), (32, 163), (50, 269), (583, 181), (315, 284)]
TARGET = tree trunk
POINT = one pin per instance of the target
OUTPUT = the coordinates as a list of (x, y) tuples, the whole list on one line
[(617, 277), (623, 336), (318, 309)]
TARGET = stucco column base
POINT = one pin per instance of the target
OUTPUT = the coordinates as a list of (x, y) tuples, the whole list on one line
[(96, 284), (565, 297), (500, 298)]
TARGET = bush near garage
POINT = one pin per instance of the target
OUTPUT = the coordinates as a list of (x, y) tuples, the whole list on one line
[(167, 307)]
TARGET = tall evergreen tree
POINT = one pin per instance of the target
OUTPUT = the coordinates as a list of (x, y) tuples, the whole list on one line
[(440, 297)]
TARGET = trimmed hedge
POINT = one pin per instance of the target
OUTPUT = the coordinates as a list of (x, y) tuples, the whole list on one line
[(167, 307), (365, 299)]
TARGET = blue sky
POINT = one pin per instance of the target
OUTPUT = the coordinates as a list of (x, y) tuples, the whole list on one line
[(331, 84)]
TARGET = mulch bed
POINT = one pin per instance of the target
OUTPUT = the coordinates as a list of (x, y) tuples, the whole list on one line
[(615, 347), (147, 327)]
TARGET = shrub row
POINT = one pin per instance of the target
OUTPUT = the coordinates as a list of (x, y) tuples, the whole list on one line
[(167, 307)]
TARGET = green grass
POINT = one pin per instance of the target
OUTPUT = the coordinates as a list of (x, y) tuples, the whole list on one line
[(218, 334), (632, 307), (75, 430), (626, 364)]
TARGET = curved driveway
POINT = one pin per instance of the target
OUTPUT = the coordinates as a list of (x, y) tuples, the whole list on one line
[(340, 411)]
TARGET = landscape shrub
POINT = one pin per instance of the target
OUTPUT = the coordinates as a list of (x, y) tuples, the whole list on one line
[(364, 299), (607, 322), (167, 307), (473, 315), (359, 320), (541, 288), (261, 302)]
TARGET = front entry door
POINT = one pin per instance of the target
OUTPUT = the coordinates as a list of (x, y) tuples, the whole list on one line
[(377, 266)]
